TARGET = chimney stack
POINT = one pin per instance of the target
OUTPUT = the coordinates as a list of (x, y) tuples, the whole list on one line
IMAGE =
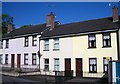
[(115, 14), (50, 20), (10, 28)]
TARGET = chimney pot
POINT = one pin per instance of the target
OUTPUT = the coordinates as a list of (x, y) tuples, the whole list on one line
[(115, 14), (50, 20), (10, 28)]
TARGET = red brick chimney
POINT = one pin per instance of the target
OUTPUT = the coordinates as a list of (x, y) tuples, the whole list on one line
[(115, 14), (50, 20), (10, 28)]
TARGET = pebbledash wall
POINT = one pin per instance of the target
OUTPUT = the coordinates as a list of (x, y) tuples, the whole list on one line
[(16, 46)]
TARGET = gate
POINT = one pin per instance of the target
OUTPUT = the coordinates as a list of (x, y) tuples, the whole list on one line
[(114, 72), (118, 72)]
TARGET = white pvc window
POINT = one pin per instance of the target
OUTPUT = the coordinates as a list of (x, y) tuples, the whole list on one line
[(92, 41), (106, 40), (46, 44), (26, 59), (92, 65), (46, 66), (56, 64), (56, 43)]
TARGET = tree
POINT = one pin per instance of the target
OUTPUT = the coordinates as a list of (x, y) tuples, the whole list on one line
[(6, 19)]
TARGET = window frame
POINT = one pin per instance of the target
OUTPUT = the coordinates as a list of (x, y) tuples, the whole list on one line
[(25, 59), (6, 59), (34, 39), (56, 65), (34, 59), (93, 65), (1, 44), (26, 41), (89, 41), (1, 58), (46, 64), (46, 44), (105, 64), (7, 43), (103, 34), (56, 42)]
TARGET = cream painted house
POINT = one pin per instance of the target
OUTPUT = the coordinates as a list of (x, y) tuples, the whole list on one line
[(94, 59)]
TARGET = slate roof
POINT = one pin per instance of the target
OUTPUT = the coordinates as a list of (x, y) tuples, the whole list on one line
[(25, 31), (82, 27), (67, 29)]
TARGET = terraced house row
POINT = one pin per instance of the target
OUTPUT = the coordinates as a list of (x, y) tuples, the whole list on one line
[(81, 48)]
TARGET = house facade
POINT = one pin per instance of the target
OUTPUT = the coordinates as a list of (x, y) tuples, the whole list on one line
[(19, 49), (80, 49)]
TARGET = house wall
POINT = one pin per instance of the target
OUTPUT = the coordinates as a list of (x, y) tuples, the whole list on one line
[(16, 46), (65, 51), (81, 50)]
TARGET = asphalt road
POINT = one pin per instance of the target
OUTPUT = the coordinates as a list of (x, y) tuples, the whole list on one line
[(38, 79), (10, 79)]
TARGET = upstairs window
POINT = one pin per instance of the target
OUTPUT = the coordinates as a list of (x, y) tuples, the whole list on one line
[(106, 40), (6, 58), (7, 43), (92, 65), (92, 41), (25, 59), (26, 41), (34, 40), (56, 44), (46, 44)]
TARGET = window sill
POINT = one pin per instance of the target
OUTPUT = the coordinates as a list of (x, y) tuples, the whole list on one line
[(56, 49), (46, 70), (92, 71), (45, 50), (34, 45), (6, 48), (25, 46), (55, 71), (106, 46), (91, 47), (105, 72)]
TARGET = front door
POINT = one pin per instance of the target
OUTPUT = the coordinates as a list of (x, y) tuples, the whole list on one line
[(18, 60), (67, 67), (12, 60), (79, 67)]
